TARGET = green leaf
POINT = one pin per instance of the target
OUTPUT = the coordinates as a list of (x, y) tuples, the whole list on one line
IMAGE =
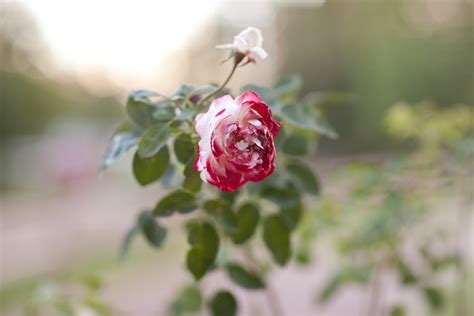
[(140, 112), (221, 210), (153, 140), (223, 304), (230, 196), (125, 137), (303, 177), (93, 282), (197, 262), (288, 85), (243, 277), (126, 242), (329, 290), (204, 234), (276, 236), (185, 114), (295, 145), (445, 262), (204, 241), (282, 196), (292, 214), (145, 223), (153, 232), (148, 170), (434, 296), (184, 148), (189, 300), (247, 221), (288, 200), (398, 310), (144, 95), (406, 273), (346, 274), (192, 181), (318, 98), (204, 89), (179, 201), (304, 116), (184, 90), (164, 114)]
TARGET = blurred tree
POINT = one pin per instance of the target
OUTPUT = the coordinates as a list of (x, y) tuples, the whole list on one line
[(30, 99), (377, 50)]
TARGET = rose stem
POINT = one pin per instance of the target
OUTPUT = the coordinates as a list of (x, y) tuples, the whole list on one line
[(273, 300), (222, 86)]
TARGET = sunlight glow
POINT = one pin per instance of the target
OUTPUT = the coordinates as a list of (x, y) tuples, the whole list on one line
[(119, 37)]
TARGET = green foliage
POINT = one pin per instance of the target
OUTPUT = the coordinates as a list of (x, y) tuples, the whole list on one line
[(304, 116), (163, 129), (148, 170), (153, 140), (177, 201), (223, 304), (247, 219), (204, 242), (126, 242), (125, 137), (189, 300), (346, 275), (192, 181), (434, 297), (276, 236), (140, 111), (153, 232), (222, 212), (48, 298), (407, 275), (384, 204), (430, 127), (398, 311), (184, 148), (303, 177), (289, 203), (295, 145), (243, 277)]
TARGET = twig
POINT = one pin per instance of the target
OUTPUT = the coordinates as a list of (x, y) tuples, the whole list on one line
[(273, 300), (373, 302), (222, 86)]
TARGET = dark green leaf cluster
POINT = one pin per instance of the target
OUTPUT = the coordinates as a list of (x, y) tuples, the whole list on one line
[(374, 220), (162, 130)]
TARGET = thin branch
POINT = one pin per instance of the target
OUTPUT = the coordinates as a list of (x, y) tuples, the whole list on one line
[(273, 299), (374, 298), (222, 86)]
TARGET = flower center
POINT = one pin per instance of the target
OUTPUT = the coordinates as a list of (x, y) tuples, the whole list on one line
[(245, 147)]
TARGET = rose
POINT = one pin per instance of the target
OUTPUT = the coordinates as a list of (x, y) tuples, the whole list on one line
[(237, 141), (247, 43)]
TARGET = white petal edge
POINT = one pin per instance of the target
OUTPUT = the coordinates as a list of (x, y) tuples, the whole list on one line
[(260, 52)]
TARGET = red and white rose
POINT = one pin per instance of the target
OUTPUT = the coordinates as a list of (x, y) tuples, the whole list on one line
[(237, 141)]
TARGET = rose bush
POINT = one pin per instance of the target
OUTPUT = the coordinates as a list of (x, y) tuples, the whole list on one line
[(204, 135)]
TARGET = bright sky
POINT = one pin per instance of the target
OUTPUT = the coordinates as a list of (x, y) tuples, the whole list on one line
[(129, 37)]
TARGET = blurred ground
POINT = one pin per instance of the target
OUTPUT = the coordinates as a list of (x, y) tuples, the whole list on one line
[(62, 82), (76, 228)]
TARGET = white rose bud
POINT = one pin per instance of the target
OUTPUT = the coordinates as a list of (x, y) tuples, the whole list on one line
[(247, 43)]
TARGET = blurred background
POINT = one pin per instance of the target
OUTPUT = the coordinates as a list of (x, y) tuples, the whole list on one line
[(66, 68)]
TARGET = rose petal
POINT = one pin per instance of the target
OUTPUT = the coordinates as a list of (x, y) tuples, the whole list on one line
[(236, 143)]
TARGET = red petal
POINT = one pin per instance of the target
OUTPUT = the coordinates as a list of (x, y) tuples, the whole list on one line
[(247, 96)]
